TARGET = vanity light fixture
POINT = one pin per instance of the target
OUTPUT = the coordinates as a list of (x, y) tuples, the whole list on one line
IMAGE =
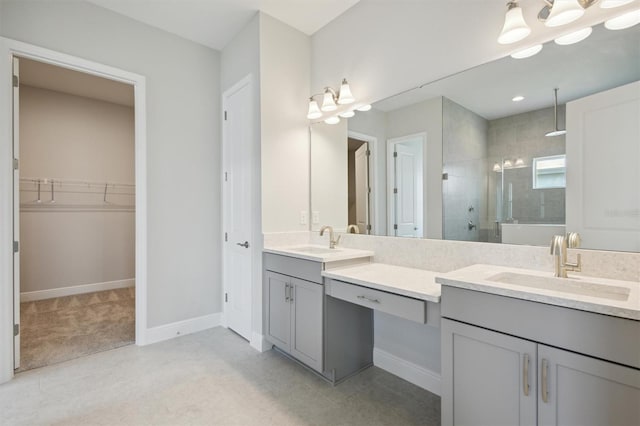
[(332, 101), (518, 98), (519, 162), (574, 37), (563, 12), (364, 108), (555, 131), (497, 168), (623, 21), (528, 52), (610, 4), (332, 120), (514, 28)]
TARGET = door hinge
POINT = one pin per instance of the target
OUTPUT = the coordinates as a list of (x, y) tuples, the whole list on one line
[(16, 329), (16, 81), (16, 246), (225, 115), (368, 153), (226, 177), (395, 154), (16, 164), (445, 176), (226, 297), (226, 237), (395, 190), (369, 227), (395, 226)]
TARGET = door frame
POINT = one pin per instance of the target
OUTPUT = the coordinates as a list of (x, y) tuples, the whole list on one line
[(390, 183), (372, 141), (255, 248), (8, 49)]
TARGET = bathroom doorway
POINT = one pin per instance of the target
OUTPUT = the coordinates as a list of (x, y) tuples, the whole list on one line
[(359, 188), (74, 213)]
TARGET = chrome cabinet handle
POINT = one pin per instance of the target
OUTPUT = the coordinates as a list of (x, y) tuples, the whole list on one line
[(368, 299), (286, 292), (525, 375), (245, 244), (545, 381)]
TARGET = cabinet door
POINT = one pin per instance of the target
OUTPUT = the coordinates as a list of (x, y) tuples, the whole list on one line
[(488, 378), (306, 322), (278, 310), (580, 390)]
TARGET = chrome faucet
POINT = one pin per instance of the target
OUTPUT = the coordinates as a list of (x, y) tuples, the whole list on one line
[(332, 242), (559, 245), (355, 229)]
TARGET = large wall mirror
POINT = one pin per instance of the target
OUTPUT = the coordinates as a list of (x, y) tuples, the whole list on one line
[(477, 156)]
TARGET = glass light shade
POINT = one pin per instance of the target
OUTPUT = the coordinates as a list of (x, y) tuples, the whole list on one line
[(564, 12), (528, 52), (497, 168), (518, 98), (347, 114), (624, 21), (519, 162), (574, 37), (610, 4), (314, 112), (345, 96), (332, 120), (507, 164), (328, 104), (364, 108), (515, 28)]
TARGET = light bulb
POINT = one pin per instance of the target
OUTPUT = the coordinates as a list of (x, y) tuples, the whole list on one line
[(345, 96), (564, 12), (528, 52), (574, 37)]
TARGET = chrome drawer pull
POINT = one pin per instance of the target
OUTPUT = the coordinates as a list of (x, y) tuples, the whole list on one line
[(545, 380), (525, 375), (368, 299)]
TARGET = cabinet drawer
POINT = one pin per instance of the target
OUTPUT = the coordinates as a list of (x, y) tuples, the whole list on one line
[(402, 306), (294, 267)]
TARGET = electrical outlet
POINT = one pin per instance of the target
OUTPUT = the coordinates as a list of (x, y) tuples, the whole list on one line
[(304, 217), (316, 217)]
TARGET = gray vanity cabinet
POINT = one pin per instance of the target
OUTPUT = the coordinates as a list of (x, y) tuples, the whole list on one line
[(490, 377), (278, 325)]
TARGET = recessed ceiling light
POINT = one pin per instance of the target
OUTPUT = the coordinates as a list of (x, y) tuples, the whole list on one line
[(517, 98), (574, 37), (525, 53), (624, 21)]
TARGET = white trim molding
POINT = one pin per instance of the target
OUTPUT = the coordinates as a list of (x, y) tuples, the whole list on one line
[(8, 49), (259, 343), (30, 296), (413, 373), (181, 328)]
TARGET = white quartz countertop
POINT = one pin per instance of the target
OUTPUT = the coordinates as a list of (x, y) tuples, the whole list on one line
[(318, 253), (599, 295), (416, 283)]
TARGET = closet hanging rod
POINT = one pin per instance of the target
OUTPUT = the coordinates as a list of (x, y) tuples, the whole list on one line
[(71, 182)]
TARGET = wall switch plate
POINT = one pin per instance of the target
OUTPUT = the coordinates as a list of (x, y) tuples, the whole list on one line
[(316, 217), (304, 217)]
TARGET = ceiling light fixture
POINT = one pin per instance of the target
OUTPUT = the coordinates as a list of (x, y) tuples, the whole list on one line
[(518, 98), (574, 37), (610, 4), (623, 21), (514, 28), (528, 52), (332, 101), (555, 131)]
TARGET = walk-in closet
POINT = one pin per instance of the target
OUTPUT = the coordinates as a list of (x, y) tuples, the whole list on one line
[(76, 214)]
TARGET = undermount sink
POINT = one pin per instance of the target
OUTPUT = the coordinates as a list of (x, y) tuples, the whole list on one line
[(315, 250), (565, 285)]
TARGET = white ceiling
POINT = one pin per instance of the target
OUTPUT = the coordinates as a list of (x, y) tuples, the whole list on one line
[(51, 77), (214, 23), (605, 60)]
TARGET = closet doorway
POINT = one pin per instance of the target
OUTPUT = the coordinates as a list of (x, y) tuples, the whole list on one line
[(74, 213)]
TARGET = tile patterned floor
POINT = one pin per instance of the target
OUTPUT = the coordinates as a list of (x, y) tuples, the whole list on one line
[(209, 378), (63, 328)]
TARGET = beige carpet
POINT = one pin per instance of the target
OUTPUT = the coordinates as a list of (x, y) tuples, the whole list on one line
[(63, 328)]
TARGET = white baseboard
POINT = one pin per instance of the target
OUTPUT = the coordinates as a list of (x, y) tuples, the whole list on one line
[(259, 343), (31, 296), (419, 376), (180, 328)]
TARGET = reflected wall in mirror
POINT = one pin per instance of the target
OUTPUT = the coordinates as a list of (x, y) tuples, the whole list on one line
[(463, 159)]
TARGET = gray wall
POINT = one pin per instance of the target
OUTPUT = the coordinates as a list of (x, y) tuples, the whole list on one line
[(464, 152), (523, 136), (183, 140)]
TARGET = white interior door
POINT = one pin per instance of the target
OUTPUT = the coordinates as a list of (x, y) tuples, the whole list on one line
[(407, 185), (362, 188), (237, 196), (16, 214)]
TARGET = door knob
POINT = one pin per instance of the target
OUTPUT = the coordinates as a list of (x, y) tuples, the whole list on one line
[(245, 244)]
